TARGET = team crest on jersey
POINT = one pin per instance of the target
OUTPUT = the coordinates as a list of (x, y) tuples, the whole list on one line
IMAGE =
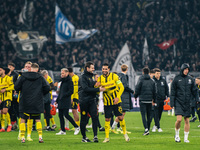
[(83, 112), (162, 84), (189, 81)]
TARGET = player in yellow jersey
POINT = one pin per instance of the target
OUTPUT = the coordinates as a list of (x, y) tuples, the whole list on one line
[(6, 88), (74, 97), (14, 109), (47, 102), (112, 99)]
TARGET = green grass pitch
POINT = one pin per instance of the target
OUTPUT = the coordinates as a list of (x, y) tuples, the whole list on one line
[(154, 141)]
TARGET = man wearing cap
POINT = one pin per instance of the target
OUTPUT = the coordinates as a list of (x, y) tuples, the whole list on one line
[(182, 89), (6, 88)]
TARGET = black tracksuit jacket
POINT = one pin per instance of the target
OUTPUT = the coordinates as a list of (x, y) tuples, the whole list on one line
[(162, 89), (87, 91), (33, 87), (145, 89)]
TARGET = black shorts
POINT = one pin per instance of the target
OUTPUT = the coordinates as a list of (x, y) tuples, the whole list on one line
[(179, 110), (5, 104), (117, 109), (31, 116), (74, 105)]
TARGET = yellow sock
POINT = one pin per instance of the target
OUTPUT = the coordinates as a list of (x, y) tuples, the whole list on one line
[(45, 122), (78, 123), (19, 121), (107, 128), (3, 121), (29, 126), (39, 129), (22, 129), (123, 125), (52, 121), (8, 119)]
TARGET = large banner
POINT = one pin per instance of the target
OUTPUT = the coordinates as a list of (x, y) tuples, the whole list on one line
[(66, 32), (124, 57), (27, 44)]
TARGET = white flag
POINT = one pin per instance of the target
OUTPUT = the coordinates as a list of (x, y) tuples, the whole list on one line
[(26, 15), (124, 57), (145, 55)]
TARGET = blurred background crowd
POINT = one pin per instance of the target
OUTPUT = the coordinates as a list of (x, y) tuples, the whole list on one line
[(118, 22)]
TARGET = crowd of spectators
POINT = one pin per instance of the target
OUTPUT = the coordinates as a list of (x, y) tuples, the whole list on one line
[(118, 22), (43, 22)]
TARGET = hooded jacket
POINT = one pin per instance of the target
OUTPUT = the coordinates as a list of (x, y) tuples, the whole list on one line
[(87, 91), (145, 89), (65, 92), (32, 87), (182, 90)]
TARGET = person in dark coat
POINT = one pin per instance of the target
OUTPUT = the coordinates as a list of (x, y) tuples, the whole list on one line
[(47, 101), (193, 104), (64, 101), (33, 87), (162, 95), (126, 95), (182, 89), (197, 82), (87, 100), (146, 91)]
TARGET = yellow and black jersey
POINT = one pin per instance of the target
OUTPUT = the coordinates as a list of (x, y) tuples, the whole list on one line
[(75, 79), (49, 80), (6, 83), (114, 88)]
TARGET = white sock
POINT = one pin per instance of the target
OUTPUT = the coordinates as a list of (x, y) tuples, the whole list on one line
[(114, 125), (168, 112), (172, 111), (177, 132), (67, 123), (146, 129), (186, 135)]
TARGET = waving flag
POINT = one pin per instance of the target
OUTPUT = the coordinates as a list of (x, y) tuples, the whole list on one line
[(124, 57), (26, 15), (145, 55), (27, 42), (66, 32), (165, 45)]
